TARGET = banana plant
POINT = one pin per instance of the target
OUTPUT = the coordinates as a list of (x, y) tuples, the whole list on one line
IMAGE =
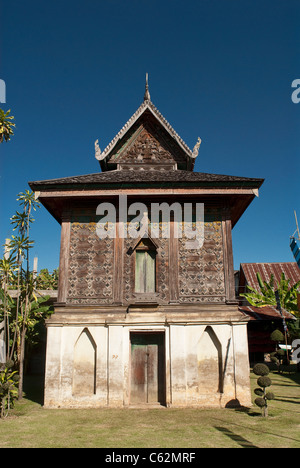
[(266, 295)]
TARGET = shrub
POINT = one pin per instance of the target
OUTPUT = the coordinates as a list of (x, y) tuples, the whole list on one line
[(260, 402), (8, 387), (263, 381), (279, 357), (276, 335), (261, 369)]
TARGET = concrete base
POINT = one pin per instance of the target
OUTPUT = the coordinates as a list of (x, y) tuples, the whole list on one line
[(89, 358)]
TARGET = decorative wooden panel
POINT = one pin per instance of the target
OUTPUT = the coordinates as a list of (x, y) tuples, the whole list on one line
[(201, 272), (91, 266), (147, 144)]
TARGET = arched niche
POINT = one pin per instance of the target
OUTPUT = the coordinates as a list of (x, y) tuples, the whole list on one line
[(84, 368), (209, 355)]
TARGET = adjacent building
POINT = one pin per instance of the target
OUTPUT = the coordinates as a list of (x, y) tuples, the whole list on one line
[(263, 320)]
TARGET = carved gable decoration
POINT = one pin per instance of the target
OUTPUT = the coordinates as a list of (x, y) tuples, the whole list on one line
[(147, 141), (147, 146)]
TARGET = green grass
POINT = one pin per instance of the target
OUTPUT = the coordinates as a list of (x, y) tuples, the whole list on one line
[(30, 425)]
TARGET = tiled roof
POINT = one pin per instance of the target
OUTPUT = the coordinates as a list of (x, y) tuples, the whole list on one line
[(290, 269), (264, 313), (137, 177)]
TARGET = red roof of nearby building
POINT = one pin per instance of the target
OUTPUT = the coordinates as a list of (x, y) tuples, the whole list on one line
[(290, 269), (248, 277), (264, 313)]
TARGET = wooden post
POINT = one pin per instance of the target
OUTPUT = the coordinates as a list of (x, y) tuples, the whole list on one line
[(173, 264), (228, 260), (64, 260), (118, 265)]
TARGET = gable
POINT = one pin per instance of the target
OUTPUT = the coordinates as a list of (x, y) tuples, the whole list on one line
[(146, 141), (147, 145)]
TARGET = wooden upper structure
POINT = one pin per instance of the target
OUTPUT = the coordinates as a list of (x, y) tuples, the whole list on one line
[(147, 154), (147, 161)]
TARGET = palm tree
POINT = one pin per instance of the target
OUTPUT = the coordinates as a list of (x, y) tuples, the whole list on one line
[(24, 308), (20, 222), (28, 201), (6, 125), (8, 266), (19, 245)]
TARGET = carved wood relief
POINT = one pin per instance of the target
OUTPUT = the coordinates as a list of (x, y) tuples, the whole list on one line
[(90, 266), (147, 145), (201, 272)]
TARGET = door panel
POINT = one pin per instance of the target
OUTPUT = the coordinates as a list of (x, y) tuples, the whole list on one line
[(152, 373), (147, 368), (138, 374)]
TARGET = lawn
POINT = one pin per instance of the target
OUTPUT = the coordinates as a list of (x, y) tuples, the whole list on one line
[(32, 426)]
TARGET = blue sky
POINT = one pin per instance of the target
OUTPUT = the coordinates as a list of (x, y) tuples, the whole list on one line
[(218, 69)]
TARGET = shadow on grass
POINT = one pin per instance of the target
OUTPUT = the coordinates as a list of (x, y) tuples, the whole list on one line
[(236, 437)]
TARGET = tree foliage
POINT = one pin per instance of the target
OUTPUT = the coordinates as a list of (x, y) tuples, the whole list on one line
[(8, 387), (21, 314), (266, 295), (47, 280), (6, 125)]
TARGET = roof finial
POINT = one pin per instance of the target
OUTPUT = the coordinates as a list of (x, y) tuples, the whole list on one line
[(147, 94)]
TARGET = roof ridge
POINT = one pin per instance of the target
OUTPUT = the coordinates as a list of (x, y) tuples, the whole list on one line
[(266, 263), (169, 126), (127, 125)]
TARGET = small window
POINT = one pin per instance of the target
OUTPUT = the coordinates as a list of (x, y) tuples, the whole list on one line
[(145, 267)]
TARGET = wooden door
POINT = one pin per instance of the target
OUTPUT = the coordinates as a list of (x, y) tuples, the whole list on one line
[(147, 368)]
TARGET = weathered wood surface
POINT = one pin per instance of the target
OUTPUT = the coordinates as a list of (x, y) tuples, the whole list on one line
[(147, 368)]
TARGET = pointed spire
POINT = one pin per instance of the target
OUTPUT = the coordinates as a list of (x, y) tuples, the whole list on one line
[(147, 94)]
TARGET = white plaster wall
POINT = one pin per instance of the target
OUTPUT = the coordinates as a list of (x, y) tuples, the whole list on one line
[(115, 366), (184, 352), (53, 367), (182, 356), (241, 363)]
